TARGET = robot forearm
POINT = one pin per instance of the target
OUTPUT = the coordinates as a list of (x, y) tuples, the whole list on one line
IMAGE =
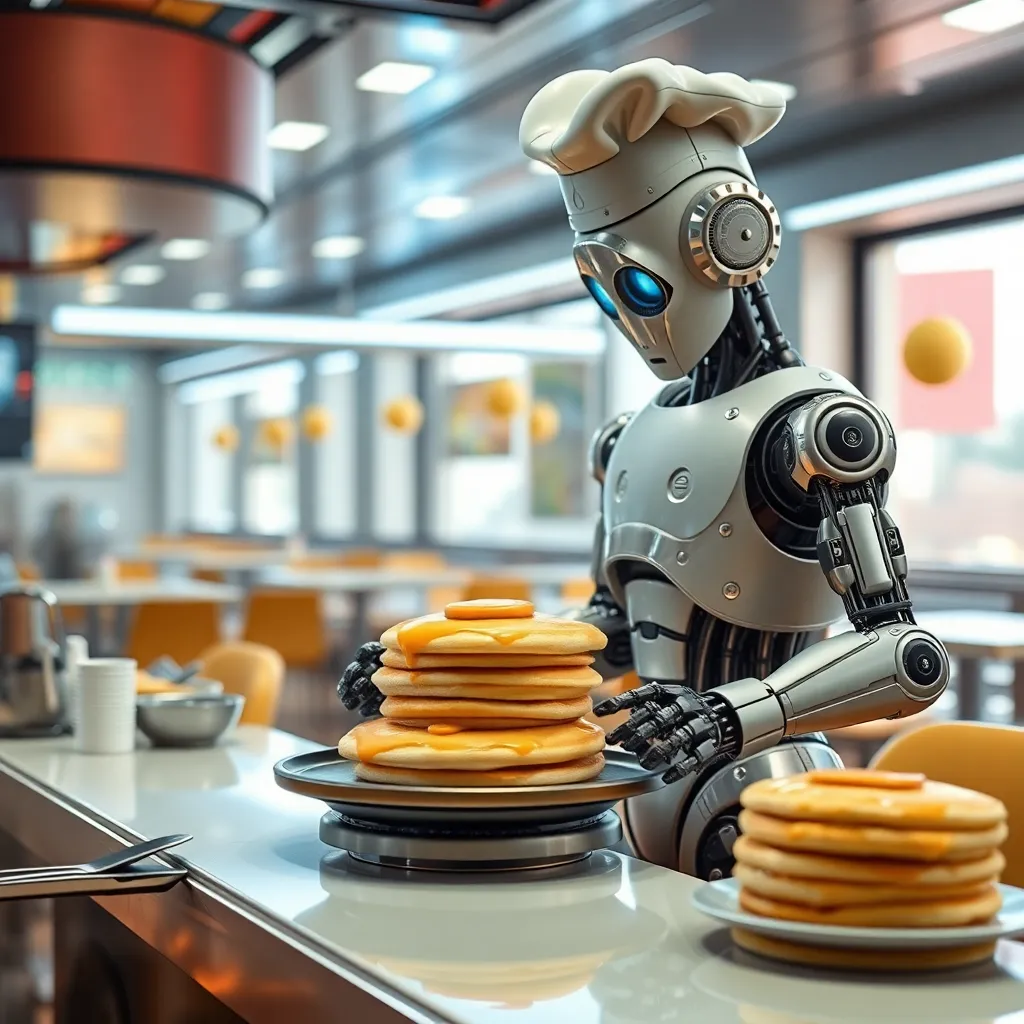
[(844, 680)]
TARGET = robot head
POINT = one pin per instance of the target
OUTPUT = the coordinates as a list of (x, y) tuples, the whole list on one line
[(667, 214)]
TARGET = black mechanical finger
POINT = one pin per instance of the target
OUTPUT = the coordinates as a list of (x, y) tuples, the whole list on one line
[(638, 718), (681, 770), (634, 698), (656, 755)]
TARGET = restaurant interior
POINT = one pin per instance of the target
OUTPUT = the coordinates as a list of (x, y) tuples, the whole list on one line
[(294, 347)]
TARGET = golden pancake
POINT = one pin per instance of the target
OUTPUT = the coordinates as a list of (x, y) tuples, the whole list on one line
[(541, 634), (815, 893), (872, 872), (491, 684), (382, 742), (489, 608), (870, 840), (860, 959), (954, 913), (396, 659), (894, 801), (483, 714), (580, 770)]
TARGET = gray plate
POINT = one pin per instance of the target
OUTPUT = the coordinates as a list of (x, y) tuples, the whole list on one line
[(720, 900), (326, 776)]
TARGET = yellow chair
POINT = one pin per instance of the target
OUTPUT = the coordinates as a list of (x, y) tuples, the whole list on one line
[(253, 670), (291, 622), (180, 629), (498, 587), (988, 758)]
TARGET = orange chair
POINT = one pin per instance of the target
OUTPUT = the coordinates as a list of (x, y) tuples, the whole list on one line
[(136, 570), (291, 622), (577, 592), (179, 629), (253, 670), (978, 756), (497, 587)]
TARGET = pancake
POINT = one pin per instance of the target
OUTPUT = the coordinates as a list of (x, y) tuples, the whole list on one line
[(489, 608), (580, 770), (396, 659), (872, 872), (874, 798), (953, 913), (483, 714), (859, 959), (491, 684), (869, 840), (539, 635), (384, 743), (812, 892)]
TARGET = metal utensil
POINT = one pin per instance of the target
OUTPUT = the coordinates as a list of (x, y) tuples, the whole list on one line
[(112, 861)]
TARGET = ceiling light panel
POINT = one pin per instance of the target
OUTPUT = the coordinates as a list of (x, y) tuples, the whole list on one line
[(143, 274), (986, 16), (395, 77), (297, 136), (185, 249), (263, 277), (442, 207), (210, 302), (338, 247), (100, 294)]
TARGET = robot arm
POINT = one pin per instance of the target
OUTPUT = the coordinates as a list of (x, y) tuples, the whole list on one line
[(839, 448)]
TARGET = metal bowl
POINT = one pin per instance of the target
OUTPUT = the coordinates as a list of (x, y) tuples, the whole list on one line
[(170, 720)]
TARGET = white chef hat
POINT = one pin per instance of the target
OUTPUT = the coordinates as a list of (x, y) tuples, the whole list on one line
[(614, 136)]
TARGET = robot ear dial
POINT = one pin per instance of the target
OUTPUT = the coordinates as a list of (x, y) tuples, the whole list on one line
[(732, 234)]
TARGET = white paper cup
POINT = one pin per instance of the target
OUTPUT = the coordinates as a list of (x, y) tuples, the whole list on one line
[(106, 706), (77, 651)]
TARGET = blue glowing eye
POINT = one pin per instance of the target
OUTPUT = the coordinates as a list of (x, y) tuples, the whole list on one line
[(643, 293), (601, 297)]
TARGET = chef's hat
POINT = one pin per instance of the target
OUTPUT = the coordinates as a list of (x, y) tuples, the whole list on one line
[(614, 136)]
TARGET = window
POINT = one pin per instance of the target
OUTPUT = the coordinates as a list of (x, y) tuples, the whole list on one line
[(210, 466), (334, 475), (959, 482)]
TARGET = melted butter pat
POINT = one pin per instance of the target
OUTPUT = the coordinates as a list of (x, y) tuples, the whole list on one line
[(443, 729), (414, 637)]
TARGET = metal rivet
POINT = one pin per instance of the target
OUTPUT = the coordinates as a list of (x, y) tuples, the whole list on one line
[(731, 414), (825, 376), (682, 558), (650, 190), (894, 632), (715, 875), (739, 773), (606, 213), (725, 529), (731, 591)]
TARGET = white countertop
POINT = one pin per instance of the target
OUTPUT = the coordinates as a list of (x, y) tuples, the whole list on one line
[(131, 592), (614, 944)]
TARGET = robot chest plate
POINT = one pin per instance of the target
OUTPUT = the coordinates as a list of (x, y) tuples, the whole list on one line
[(675, 498)]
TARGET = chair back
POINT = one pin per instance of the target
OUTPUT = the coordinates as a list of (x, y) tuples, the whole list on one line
[(988, 758), (253, 670), (497, 587), (289, 621), (180, 629), (130, 569)]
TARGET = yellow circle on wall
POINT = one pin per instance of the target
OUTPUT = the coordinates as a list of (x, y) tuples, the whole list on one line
[(545, 422), (316, 422), (504, 398), (937, 350), (226, 438), (404, 415), (276, 433)]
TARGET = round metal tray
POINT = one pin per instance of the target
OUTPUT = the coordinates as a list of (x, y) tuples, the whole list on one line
[(325, 775)]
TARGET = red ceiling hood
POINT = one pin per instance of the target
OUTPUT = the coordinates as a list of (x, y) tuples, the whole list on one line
[(114, 131)]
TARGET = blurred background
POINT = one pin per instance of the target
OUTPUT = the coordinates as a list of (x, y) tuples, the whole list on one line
[(293, 344)]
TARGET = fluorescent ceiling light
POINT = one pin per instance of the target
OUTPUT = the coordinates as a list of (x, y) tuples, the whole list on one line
[(211, 302), (217, 360), (338, 247), (395, 77), (185, 249), (788, 91), (262, 277), (442, 207), (945, 185), (326, 331), (100, 294), (539, 167), (986, 15), (143, 274), (336, 362), (243, 382), (560, 274), (297, 136)]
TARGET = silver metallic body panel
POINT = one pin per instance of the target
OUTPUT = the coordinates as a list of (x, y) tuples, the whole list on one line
[(676, 476)]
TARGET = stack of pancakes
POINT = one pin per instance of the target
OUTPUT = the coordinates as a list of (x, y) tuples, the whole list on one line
[(870, 849), (487, 694)]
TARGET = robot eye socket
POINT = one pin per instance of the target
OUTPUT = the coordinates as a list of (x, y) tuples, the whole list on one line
[(642, 292), (601, 296)]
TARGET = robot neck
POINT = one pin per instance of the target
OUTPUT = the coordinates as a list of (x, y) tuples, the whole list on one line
[(751, 345)]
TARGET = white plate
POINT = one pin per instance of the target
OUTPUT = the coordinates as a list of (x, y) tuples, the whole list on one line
[(720, 900)]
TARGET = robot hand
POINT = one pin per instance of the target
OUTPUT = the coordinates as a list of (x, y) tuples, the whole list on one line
[(674, 726), (356, 688)]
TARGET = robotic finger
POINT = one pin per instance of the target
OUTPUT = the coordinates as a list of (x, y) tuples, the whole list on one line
[(655, 693)]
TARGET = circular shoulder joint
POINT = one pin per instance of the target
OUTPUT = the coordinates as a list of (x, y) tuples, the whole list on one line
[(603, 442)]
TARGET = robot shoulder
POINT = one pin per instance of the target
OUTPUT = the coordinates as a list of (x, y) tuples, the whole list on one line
[(603, 442)]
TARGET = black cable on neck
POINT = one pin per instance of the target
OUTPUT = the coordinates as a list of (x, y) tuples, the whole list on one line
[(783, 354)]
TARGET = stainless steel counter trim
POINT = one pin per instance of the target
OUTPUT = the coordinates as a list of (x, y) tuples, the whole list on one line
[(205, 928)]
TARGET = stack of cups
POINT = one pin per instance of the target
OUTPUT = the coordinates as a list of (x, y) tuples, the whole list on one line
[(76, 651), (106, 706)]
